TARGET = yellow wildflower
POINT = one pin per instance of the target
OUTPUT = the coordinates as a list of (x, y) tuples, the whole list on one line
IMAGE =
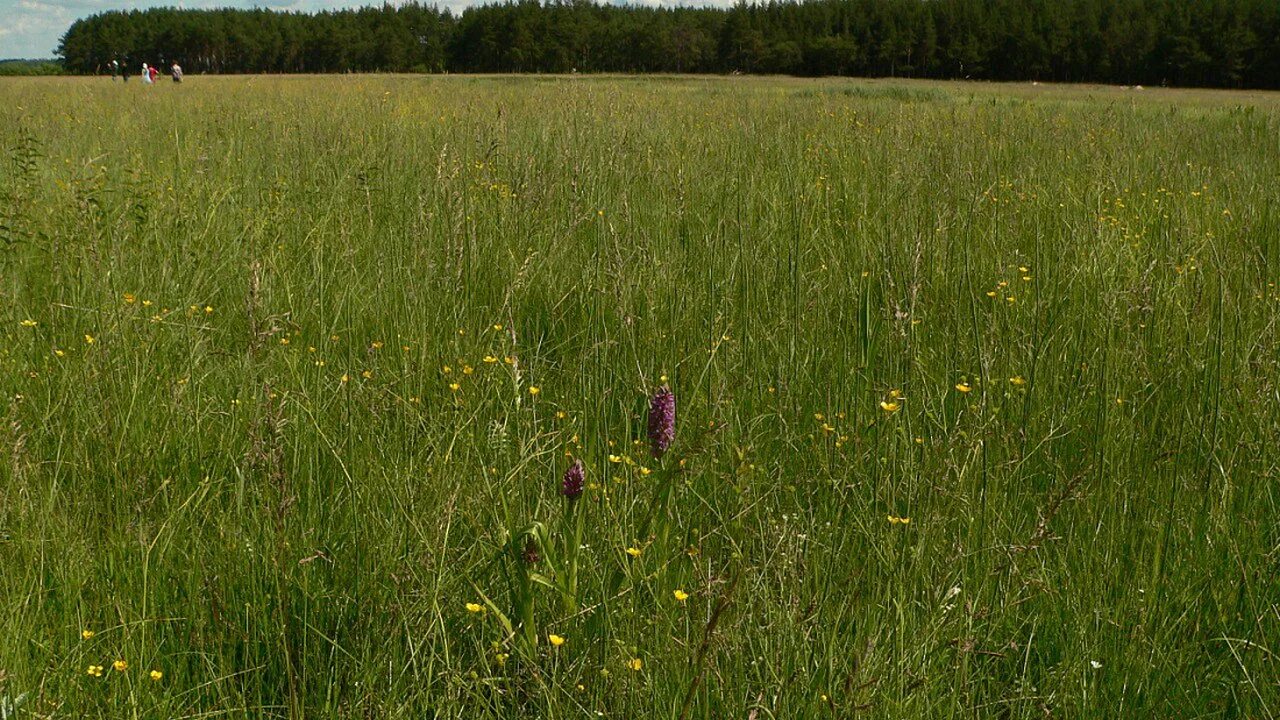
[(475, 607), (889, 406), (963, 387), (634, 551), (120, 665), (680, 595), (635, 664), (86, 634), (555, 640)]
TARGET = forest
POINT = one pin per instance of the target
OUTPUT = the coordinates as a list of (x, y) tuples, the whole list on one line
[(1203, 43)]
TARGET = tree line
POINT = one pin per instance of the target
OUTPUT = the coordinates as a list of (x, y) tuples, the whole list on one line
[(1213, 43), (29, 67)]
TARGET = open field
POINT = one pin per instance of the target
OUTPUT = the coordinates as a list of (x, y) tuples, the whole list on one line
[(977, 399)]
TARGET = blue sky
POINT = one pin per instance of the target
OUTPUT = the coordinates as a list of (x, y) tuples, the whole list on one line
[(31, 28)]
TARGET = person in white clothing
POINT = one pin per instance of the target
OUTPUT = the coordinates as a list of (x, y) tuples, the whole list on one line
[(146, 74)]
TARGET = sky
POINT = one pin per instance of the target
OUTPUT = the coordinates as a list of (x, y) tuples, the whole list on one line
[(32, 28)]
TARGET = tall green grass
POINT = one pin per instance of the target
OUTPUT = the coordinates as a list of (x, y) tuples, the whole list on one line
[(233, 313)]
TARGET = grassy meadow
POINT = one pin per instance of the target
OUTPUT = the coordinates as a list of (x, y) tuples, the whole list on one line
[(977, 399)]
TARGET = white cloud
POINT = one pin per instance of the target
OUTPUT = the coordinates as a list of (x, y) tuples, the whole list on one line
[(30, 28)]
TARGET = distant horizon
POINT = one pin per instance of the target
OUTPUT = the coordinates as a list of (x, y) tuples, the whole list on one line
[(36, 24)]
